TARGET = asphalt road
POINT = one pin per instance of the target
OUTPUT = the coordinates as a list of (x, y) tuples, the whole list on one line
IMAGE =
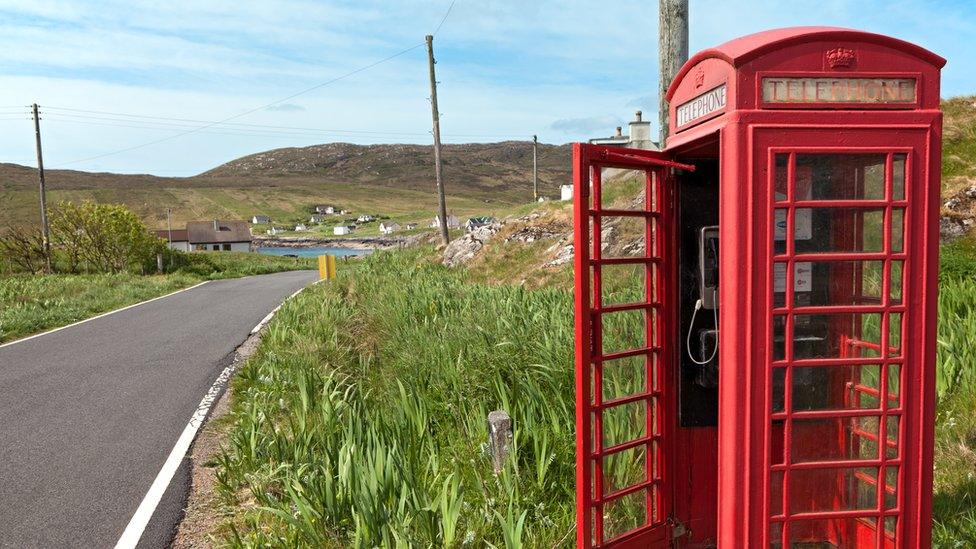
[(90, 413)]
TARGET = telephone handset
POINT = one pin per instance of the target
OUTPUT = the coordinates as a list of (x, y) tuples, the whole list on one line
[(708, 266), (707, 293)]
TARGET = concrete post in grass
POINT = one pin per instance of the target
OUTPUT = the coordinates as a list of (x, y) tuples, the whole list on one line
[(499, 438), (159, 263)]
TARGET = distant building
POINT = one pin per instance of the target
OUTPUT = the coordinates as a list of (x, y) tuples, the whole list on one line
[(324, 209), (475, 222), (388, 227), (260, 219), (565, 192), (452, 222), (217, 235), (318, 218), (639, 137), (365, 218), (180, 241), (343, 212), (341, 230), (411, 226), (300, 227), (274, 230)]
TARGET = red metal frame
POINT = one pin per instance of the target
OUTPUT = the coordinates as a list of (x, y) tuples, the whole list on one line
[(869, 521), (735, 460), (656, 213)]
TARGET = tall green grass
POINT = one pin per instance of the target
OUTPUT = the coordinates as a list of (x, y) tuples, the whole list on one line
[(361, 421)]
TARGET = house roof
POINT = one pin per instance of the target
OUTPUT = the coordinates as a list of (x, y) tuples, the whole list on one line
[(200, 232), (179, 235)]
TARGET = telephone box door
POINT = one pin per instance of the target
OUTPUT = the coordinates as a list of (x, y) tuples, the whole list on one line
[(624, 333), (844, 413)]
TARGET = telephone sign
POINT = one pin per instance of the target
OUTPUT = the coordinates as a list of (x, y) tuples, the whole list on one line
[(756, 366)]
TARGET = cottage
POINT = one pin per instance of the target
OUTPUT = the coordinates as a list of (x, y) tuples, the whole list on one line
[(317, 218), (452, 222), (341, 230), (260, 220), (388, 227), (300, 227), (324, 209), (217, 235), (179, 240), (639, 138), (365, 218), (411, 226), (475, 222)]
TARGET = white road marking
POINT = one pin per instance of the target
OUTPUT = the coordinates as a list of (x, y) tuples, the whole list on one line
[(137, 524), (21, 340)]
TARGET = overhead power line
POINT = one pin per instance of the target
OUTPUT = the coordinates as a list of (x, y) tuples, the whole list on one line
[(245, 113), (266, 105), (182, 123)]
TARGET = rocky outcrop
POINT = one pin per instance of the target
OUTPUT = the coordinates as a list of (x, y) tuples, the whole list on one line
[(958, 214), (463, 249)]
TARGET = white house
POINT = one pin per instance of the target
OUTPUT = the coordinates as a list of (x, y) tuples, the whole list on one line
[(639, 138), (565, 192), (300, 227), (365, 218), (452, 222), (179, 241), (324, 209), (317, 218), (340, 230), (260, 219), (388, 227), (217, 235), (411, 226)]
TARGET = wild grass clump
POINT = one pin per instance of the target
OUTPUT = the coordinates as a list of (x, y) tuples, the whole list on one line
[(955, 440), (362, 419)]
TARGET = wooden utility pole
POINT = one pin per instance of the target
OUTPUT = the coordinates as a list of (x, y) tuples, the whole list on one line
[(442, 202), (535, 168), (672, 52), (40, 171)]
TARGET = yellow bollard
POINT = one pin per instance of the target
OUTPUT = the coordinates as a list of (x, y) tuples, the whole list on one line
[(327, 267), (331, 266)]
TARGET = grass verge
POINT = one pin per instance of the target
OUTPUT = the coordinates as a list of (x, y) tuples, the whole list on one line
[(34, 303)]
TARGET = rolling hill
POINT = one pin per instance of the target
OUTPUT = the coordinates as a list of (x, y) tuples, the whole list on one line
[(393, 179)]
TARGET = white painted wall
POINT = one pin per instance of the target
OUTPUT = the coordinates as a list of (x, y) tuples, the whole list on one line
[(566, 192)]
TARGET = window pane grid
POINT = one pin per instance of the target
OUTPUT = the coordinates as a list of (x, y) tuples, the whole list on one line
[(860, 348), (628, 467)]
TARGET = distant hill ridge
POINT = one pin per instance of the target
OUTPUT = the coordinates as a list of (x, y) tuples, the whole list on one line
[(290, 178)]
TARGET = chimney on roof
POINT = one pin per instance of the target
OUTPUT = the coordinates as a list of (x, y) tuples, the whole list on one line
[(216, 226), (639, 116), (620, 132)]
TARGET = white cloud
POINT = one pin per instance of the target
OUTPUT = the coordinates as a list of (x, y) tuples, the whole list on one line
[(557, 68)]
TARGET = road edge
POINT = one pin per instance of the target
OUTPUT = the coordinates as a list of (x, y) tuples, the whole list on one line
[(184, 444), (101, 315)]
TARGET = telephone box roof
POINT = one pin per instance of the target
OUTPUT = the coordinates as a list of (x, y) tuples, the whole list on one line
[(741, 50)]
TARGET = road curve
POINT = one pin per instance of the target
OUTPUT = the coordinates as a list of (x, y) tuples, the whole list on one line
[(90, 413)]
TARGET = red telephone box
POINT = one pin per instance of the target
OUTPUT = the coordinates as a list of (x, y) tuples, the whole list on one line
[(755, 365)]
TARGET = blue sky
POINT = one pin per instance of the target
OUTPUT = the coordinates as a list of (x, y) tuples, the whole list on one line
[(565, 70)]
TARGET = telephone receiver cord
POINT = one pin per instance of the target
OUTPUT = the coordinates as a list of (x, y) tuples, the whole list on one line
[(691, 326)]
